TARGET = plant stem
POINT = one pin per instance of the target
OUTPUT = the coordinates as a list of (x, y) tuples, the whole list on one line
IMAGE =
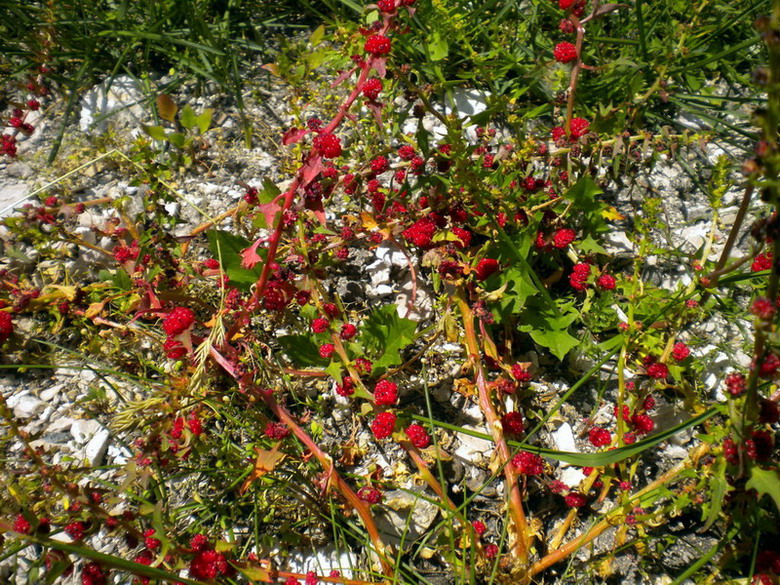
[(521, 532)]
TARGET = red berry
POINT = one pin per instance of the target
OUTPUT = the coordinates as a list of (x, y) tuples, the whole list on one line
[(6, 326), (406, 152), (563, 237), (174, 350), (369, 494), (680, 351), (528, 463), (383, 425), (276, 430), (348, 331), (372, 87), (178, 321), (363, 365), (566, 26), (606, 282), (762, 262), (464, 237), (578, 127), (769, 366), (565, 52), (599, 437), (763, 308), (377, 45), (575, 500), (379, 165), (479, 527), (326, 350), (658, 371), (328, 144), (736, 384), (521, 373), (386, 5), (512, 422), (491, 550), (485, 268), (21, 525), (385, 392), (418, 436), (75, 530), (643, 423), (420, 233), (320, 325)]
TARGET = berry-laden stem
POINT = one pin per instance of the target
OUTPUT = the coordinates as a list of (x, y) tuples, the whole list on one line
[(575, 72), (771, 194), (311, 160), (521, 531), (613, 516), (334, 478)]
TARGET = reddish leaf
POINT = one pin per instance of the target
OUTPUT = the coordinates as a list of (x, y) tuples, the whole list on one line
[(294, 135), (270, 211), (378, 63), (250, 257), (342, 76), (315, 205), (376, 109), (311, 169)]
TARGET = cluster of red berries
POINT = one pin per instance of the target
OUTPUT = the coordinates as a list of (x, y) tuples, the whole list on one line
[(528, 463), (565, 52), (385, 393), (383, 425), (207, 563), (6, 326), (418, 436), (328, 145), (377, 45), (578, 127)]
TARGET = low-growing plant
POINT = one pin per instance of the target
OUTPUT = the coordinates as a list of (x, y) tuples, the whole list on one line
[(294, 411)]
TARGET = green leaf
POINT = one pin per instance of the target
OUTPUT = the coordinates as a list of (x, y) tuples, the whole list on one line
[(177, 139), (719, 486), (204, 120), (549, 330), (301, 350), (385, 334), (155, 132), (765, 482), (317, 36), (227, 247), (187, 117), (122, 280), (268, 192), (438, 47)]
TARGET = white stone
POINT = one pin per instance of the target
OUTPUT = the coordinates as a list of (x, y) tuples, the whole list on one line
[(473, 449), (563, 438), (322, 561), (10, 196), (120, 99), (26, 405), (83, 430), (617, 242), (571, 476), (51, 393), (96, 447)]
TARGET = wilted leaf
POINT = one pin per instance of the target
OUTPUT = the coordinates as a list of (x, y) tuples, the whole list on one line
[(166, 108), (265, 462)]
